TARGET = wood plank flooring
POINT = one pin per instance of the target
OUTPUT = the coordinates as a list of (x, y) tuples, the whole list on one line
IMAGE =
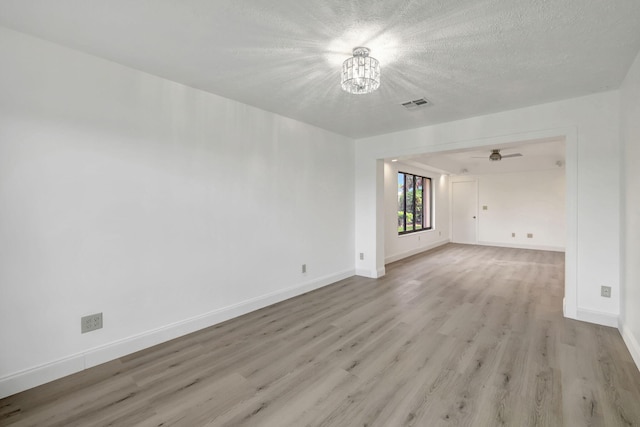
[(459, 336)]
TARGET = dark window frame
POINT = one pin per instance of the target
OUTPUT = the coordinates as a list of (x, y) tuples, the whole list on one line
[(426, 213)]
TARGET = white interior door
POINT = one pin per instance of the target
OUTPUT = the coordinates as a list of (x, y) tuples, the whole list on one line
[(464, 212)]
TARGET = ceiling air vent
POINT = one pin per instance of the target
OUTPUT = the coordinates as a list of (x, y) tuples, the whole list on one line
[(415, 104)]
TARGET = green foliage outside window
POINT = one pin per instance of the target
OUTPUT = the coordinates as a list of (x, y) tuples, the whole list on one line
[(414, 203)]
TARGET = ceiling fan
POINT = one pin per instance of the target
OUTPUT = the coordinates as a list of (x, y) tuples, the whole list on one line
[(496, 156)]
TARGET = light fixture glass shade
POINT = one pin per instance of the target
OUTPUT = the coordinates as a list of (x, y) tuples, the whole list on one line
[(360, 73), (495, 156)]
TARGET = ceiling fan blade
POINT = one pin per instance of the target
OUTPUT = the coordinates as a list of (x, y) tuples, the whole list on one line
[(512, 155), (478, 157)]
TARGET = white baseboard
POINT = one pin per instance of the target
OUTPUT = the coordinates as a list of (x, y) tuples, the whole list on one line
[(597, 317), (521, 246), (632, 344), (406, 254), (29, 378), (42, 374), (365, 273), (569, 310), (371, 274)]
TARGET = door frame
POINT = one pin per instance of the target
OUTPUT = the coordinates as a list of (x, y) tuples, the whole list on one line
[(369, 228), (452, 181)]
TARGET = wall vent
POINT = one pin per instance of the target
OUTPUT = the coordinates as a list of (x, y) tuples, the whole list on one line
[(415, 104)]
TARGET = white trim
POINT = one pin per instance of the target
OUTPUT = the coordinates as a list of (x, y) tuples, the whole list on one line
[(422, 166), (571, 200), (411, 252), (632, 344), (457, 180), (371, 274), (524, 246), (597, 317), (365, 272), (39, 375), (23, 380)]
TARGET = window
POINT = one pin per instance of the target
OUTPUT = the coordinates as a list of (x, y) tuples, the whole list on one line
[(414, 203)]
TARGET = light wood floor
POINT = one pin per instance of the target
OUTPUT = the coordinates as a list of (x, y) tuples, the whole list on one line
[(462, 335)]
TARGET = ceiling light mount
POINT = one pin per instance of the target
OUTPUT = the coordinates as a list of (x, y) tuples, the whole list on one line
[(360, 73), (495, 156)]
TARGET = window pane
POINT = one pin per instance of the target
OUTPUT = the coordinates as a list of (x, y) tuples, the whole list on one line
[(427, 203), (414, 203), (401, 194), (419, 203), (409, 187)]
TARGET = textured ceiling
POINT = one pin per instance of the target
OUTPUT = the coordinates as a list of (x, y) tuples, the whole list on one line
[(468, 57)]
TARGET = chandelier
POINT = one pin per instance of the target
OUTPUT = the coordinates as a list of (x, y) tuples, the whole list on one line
[(360, 73)]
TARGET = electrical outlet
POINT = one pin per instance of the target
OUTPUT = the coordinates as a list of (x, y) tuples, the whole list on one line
[(529, 235), (605, 291), (304, 268), (361, 255), (91, 323), (513, 234)]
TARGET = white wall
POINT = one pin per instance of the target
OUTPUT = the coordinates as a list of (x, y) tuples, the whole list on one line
[(630, 271), (398, 247), (166, 208), (590, 126), (524, 202)]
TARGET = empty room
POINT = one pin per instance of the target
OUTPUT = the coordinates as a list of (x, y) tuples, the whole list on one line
[(338, 213)]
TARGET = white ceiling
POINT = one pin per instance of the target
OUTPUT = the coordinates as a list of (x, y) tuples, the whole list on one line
[(543, 154), (468, 57)]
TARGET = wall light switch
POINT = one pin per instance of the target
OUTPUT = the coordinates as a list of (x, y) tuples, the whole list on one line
[(484, 208)]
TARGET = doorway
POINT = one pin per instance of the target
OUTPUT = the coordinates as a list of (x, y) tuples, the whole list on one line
[(464, 207)]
